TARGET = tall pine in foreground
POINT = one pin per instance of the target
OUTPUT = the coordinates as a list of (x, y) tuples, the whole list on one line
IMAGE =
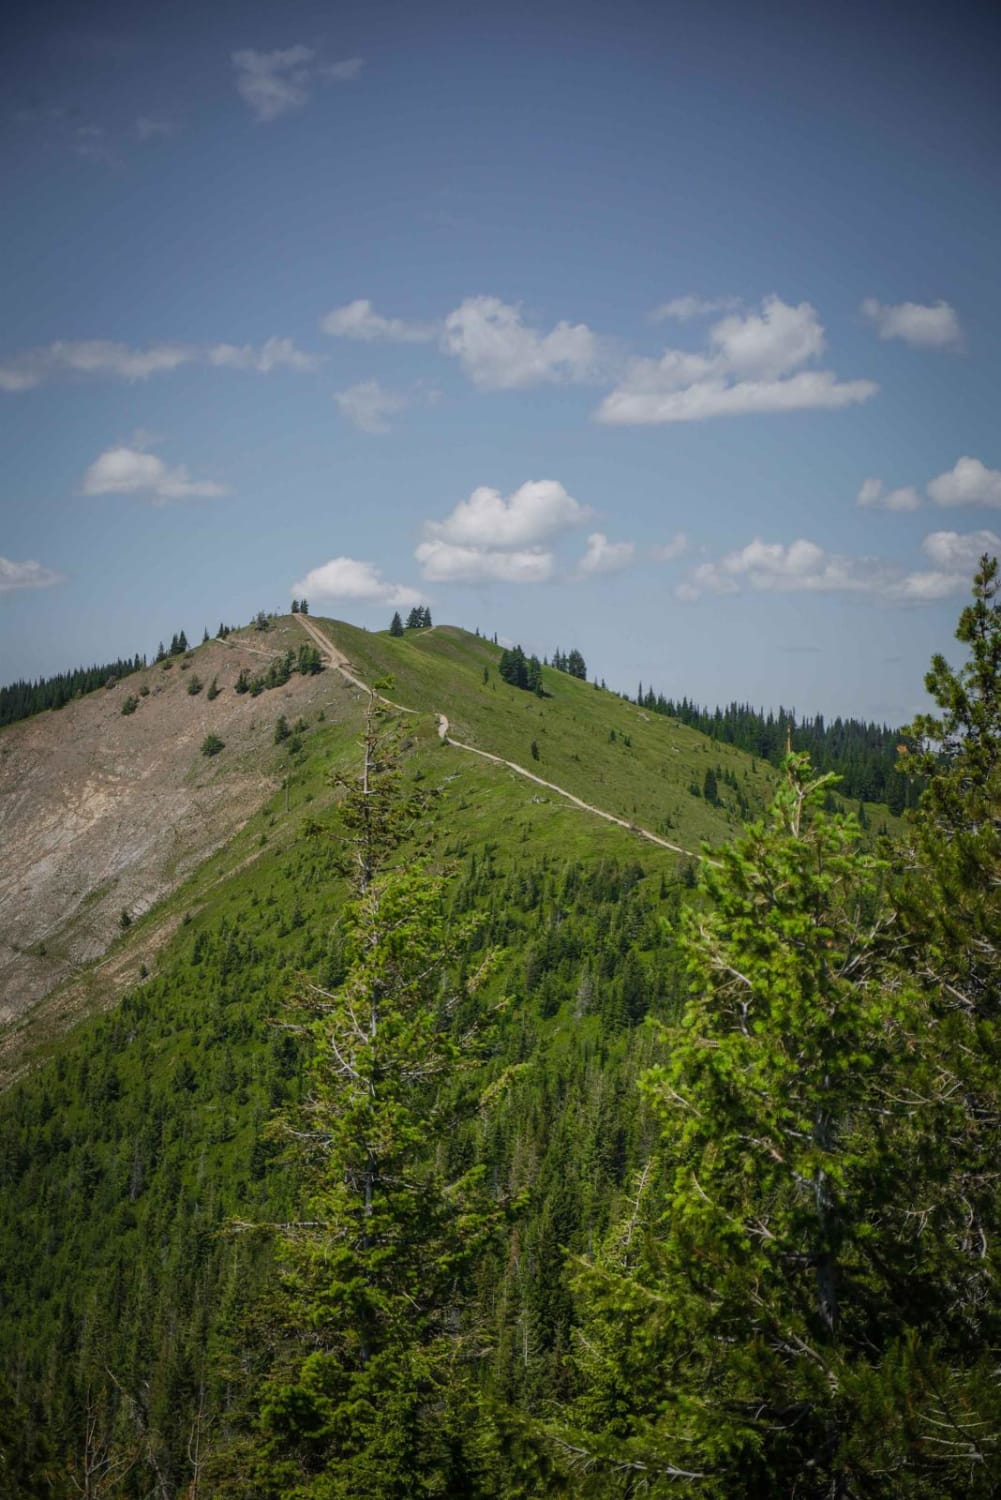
[(368, 1397), (803, 1297)]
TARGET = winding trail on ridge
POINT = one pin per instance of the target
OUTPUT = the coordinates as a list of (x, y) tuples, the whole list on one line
[(337, 659)]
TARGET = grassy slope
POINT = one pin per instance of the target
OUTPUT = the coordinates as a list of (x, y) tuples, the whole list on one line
[(441, 670)]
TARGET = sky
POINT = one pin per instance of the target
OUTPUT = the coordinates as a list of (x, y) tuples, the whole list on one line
[(671, 332)]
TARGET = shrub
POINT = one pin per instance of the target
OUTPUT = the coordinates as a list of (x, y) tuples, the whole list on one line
[(212, 744)]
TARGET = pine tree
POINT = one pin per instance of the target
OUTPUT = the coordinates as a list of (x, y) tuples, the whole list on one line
[(396, 624), (415, 618), (754, 1322), (304, 606), (295, 606), (376, 1272)]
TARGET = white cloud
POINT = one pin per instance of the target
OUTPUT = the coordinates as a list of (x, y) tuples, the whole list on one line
[(273, 354), (26, 575), (272, 83), (968, 483), (805, 567), (683, 309), (539, 509), (368, 405), (446, 562), (498, 351), (676, 547), (360, 582), (102, 357), (960, 552), (132, 471), (15, 378), (359, 320), (924, 327), (118, 361), (603, 556), (873, 496), (748, 367)]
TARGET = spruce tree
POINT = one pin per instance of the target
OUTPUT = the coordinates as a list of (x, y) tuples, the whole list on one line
[(758, 1323), (364, 1399), (396, 624)]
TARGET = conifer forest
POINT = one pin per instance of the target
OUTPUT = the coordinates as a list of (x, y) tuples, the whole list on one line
[(447, 1159)]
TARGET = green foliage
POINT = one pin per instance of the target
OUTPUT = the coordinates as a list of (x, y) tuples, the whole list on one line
[(212, 744), (396, 624), (22, 699), (213, 690), (130, 705), (796, 1301), (195, 684)]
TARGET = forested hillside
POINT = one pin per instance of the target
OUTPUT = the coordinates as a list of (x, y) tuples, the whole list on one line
[(464, 1143)]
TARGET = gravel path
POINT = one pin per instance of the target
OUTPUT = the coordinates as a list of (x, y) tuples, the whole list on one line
[(339, 660)]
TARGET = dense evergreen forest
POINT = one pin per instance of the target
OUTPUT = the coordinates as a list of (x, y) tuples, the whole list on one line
[(863, 755), (428, 1174), (22, 699)]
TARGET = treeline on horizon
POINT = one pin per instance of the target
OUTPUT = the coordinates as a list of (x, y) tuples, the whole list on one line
[(864, 755), (20, 700)]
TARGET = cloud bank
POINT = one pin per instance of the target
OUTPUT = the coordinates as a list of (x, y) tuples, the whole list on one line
[(751, 364)]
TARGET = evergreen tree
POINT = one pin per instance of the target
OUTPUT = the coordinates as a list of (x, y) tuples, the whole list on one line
[(396, 624), (576, 665), (768, 1319), (415, 618), (295, 606), (376, 1273), (304, 606)]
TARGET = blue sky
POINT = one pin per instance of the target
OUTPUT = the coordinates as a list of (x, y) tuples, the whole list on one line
[(669, 331)]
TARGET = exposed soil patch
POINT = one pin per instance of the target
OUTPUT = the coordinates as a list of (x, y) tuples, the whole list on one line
[(102, 811)]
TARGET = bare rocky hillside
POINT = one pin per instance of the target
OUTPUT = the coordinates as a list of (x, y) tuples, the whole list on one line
[(102, 811)]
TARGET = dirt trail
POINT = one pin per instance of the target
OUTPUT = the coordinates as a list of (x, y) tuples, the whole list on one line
[(340, 661)]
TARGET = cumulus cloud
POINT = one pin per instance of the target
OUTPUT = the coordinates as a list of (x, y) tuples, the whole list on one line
[(874, 496), (359, 320), (26, 575), (960, 552), (447, 562), (968, 483), (923, 327), (272, 84), (104, 357), (499, 351), (368, 405), (539, 509), (804, 567), (359, 582), (684, 309), (675, 548), (603, 556), (751, 364), (133, 471)]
